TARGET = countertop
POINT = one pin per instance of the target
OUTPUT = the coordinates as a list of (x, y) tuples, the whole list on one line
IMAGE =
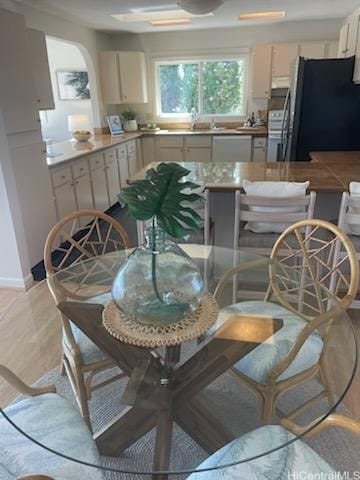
[(69, 150), (344, 166), (229, 176)]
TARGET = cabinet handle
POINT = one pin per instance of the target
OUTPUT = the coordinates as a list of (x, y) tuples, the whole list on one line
[(77, 182), (63, 176), (81, 169), (38, 100)]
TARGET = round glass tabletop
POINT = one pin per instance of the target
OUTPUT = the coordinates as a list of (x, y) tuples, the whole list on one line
[(274, 365)]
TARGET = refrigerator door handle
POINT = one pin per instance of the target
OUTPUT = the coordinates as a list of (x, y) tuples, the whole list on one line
[(285, 127)]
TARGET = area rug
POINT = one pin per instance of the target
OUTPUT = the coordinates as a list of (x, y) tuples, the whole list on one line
[(233, 405)]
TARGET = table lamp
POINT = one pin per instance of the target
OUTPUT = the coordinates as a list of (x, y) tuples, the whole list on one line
[(78, 126)]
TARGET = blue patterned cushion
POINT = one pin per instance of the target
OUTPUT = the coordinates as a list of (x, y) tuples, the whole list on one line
[(90, 352), (258, 363), (282, 464), (53, 421)]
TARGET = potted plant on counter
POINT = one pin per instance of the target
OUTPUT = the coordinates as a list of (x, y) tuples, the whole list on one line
[(130, 123)]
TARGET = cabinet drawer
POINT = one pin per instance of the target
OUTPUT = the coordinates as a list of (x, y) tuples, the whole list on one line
[(80, 169), (121, 150), (110, 155), (173, 141), (201, 141), (61, 176), (131, 147), (260, 142), (96, 161)]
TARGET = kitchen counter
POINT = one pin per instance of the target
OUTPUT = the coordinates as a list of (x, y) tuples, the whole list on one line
[(252, 131), (227, 177), (70, 149), (344, 166)]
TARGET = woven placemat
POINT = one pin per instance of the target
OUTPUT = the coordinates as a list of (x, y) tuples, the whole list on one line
[(129, 331)]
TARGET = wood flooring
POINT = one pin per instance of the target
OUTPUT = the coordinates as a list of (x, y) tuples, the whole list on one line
[(30, 340)]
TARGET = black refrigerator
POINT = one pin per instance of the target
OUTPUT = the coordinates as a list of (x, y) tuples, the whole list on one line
[(324, 108)]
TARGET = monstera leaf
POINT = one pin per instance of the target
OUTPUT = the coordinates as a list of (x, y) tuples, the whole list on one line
[(160, 195)]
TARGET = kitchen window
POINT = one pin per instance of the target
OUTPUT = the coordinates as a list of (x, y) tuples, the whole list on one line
[(214, 87)]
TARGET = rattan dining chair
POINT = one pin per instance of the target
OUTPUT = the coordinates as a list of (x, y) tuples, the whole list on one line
[(51, 420), (349, 221), (302, 280), (68, 244), (295, 458)]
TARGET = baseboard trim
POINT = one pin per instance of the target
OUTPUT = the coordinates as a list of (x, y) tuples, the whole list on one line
[(18, 283)]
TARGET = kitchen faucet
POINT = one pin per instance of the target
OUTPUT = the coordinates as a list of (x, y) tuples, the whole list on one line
[(194, 118)]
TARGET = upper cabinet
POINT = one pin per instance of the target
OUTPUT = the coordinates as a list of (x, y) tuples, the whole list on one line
[(123, 77), (349, 41), (284, 55), (312, 50), (40, 70), (17, 93), (261, 72)]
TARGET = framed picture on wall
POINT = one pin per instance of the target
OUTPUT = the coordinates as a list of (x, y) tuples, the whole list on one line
[(115, 124), (73, 85)]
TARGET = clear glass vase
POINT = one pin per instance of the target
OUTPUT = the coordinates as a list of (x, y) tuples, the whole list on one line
[(159, 283)]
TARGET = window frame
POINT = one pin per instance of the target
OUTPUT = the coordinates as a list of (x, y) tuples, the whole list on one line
[(177, 117)]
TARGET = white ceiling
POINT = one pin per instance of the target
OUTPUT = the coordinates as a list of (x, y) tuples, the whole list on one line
[(97, 13)]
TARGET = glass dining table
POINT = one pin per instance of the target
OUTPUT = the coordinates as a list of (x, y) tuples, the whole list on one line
[(179, 401)]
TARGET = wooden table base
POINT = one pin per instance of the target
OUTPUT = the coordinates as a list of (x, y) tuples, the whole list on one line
[(170, 390)]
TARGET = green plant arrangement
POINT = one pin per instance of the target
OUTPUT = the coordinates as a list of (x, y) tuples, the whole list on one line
[(160, 197), (164, 199), (129, 114)]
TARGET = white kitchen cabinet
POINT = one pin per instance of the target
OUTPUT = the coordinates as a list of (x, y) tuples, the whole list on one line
[(123, 77), (197, 154), (100, 191), (123, 165), (132, 162), (259, 149), (148, 150), (112, 176), (40, 70), (65, 200), (261, 71), (332, 49), (343, 40), (17, 91), (353, 36), (283, 58), (171, 154), (312, 50), (84, 198)]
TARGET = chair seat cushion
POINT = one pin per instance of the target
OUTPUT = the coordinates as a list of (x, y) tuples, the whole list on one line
[(284, 463), (258, 363), (53, 421)]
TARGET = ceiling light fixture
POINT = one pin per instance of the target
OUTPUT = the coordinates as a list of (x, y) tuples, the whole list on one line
[(170, 21), (200, 7), (262, 15), (156, 15)]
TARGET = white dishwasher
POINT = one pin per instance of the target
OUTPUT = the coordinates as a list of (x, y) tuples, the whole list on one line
[(232, 148)]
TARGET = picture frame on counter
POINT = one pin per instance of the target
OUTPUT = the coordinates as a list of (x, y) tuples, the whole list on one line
[(115, 124)]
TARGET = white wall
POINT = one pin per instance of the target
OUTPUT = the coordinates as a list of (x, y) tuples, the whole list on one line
[(63, 56), (13, 264)]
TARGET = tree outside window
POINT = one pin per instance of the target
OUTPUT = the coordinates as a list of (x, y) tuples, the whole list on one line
[(213, 87)]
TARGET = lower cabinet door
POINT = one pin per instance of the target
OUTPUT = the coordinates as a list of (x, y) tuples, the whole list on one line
[(132, 162), (65, 200), (171, 155), (113, 182), (99, 184), (84, 197), (123, 170), (259, 155), (198, 155)]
